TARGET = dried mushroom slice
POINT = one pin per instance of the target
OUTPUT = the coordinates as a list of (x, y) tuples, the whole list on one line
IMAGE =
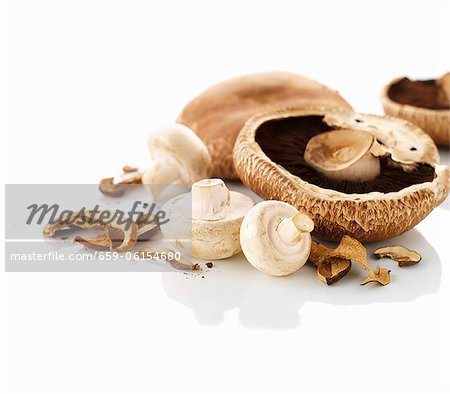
[(402, 255), (127, 169), (348, 249), (424, 103), (348, 196), (120, 235), (332, 271), (127, 239), (80, 219), (115, 186), (101, 242)]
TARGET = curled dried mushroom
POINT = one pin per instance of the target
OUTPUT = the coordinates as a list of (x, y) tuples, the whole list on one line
[(269, 156), (333, 270), (117, 234), (115, 186), (402, 255), (348, 249), (425, 103)]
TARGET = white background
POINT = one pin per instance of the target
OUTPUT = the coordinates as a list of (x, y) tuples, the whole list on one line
[(82, 85)]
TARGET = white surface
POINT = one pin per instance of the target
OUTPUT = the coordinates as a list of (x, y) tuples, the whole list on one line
[(82, 84)]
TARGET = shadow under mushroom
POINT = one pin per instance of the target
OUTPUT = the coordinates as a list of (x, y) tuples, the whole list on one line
[(275, 303)]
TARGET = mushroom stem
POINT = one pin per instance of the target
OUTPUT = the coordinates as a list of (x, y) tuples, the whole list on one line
[(210, 200), (291, 229), (179, 157), (159, 176)]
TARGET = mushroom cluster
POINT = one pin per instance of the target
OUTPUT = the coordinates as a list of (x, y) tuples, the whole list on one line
[(366, 176), (344, 176)]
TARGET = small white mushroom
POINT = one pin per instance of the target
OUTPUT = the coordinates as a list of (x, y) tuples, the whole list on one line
[(344, 155), (179, 157), (275, 238), (215, 221)]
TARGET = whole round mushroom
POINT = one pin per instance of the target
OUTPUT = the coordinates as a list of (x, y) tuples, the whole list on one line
[(210, 217), (275, 238), (425, 103), (269, 157), (178, 157), (218, 114)]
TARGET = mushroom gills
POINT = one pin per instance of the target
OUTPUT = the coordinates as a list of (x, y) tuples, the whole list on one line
[(284, 141), (429, 94)]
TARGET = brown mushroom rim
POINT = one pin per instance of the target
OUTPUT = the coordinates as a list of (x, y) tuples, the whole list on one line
[(422, 94), (283, 141)]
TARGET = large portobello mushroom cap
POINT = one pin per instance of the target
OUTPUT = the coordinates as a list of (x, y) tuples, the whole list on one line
[(424, 103), (402, 185), (219, 113)]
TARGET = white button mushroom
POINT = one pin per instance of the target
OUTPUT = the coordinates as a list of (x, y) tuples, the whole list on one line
[(215, 218), (275, 238), (344, 155), (179, 157)]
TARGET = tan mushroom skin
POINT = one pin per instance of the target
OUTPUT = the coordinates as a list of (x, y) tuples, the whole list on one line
[(275, 238)]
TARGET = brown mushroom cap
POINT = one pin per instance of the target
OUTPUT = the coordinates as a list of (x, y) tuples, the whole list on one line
[(268, 157), (424, 103), (218, 114)]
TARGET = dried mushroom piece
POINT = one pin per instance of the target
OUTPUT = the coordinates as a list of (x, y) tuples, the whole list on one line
[(380, 276), (337, 183), (101, 242), (333, 270), (402, 255), (118, 235), (80, 219), (424, 103), (115, 186), (165, 254), (114, 239), (127, 239), (348, 249), (109, 188), (127, 169)]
